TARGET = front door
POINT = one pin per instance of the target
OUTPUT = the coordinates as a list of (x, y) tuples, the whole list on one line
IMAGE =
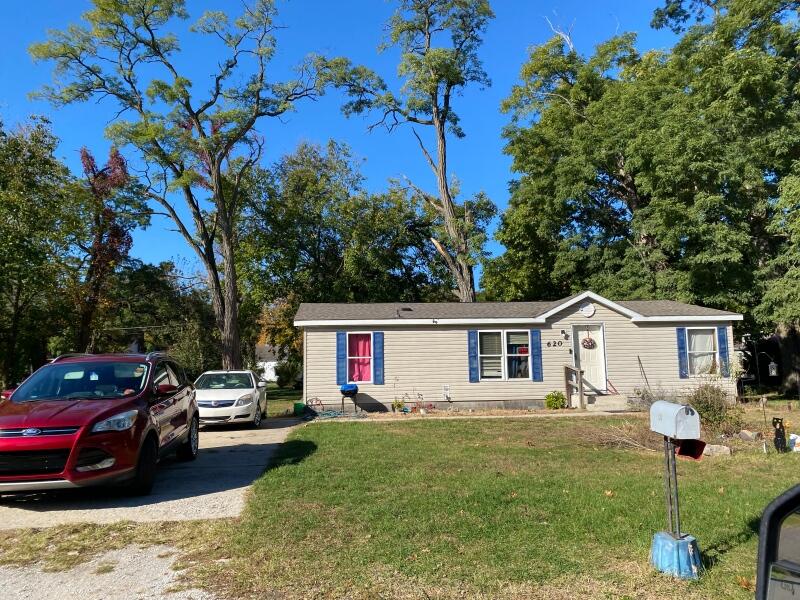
[(590, 355)]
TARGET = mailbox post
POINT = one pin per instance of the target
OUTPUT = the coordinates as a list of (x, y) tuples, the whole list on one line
[(673, 551)]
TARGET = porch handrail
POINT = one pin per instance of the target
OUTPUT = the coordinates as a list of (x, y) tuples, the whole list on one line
[(573, 382)]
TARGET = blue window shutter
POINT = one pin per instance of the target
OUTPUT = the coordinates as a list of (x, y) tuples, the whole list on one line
[(341, 357), (472, 349), (536, 355), (377, 357), (722, 344), (683, 356)]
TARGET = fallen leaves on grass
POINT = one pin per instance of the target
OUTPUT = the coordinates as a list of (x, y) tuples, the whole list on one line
[(746, 583)]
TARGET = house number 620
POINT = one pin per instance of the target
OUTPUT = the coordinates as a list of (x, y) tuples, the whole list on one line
[(556, 344)]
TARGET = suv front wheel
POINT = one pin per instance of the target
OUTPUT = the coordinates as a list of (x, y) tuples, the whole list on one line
[(142, 482)]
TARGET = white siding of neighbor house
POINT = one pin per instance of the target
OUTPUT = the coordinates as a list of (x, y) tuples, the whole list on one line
[(422, 359)]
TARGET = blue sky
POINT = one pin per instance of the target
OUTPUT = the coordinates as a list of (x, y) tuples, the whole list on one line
[(352, 28)]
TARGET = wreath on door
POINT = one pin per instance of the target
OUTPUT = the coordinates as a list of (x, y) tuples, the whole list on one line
[(588, 342)]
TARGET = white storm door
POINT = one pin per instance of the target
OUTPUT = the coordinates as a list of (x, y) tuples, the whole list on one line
[(590, 356)]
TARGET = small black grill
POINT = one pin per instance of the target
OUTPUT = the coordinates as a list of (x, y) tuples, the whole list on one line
[(91, 456), (33, 462)]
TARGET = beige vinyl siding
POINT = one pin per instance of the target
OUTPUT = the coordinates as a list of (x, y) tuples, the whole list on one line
[(422, 359)]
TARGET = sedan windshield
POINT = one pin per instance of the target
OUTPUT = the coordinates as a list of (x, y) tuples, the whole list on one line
[(84, 380), (223, 381)]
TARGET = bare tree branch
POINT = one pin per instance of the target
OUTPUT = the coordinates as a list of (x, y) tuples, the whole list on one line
[(564, 35)]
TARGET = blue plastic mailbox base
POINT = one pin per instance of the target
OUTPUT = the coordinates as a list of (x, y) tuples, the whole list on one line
[(679, 558)]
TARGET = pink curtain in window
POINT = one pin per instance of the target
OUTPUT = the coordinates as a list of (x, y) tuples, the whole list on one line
[(359, 369)]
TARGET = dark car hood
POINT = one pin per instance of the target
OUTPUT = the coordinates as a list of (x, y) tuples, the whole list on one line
[(55, 413)]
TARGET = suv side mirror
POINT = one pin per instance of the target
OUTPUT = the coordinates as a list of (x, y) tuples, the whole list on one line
[(778, 571), (165, 389), (261, 383), (6, 394)]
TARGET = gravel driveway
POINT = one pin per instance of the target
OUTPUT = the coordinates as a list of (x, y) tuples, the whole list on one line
[(211, 487), (127, 574)]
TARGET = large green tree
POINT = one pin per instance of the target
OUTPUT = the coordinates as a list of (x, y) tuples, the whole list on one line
[(35, 225), (198, 146), (313, 234), (650, 176), (438, 42)]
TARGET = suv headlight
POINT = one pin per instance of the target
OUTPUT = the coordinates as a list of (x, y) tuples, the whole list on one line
[(119, 422), (244, 400)]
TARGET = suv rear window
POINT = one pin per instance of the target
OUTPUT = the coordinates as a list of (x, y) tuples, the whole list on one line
[(86, 380)]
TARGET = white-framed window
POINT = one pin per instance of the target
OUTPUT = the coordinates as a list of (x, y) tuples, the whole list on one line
[(504, 355), (702, 350), (518, 354), (490, 354), (359, 357)]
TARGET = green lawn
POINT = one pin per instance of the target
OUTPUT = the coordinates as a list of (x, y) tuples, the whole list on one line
[(494, 508), (280, 401), (467, 508)]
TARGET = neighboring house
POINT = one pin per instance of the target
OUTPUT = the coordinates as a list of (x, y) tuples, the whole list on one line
[(266, 359), (511, 354)]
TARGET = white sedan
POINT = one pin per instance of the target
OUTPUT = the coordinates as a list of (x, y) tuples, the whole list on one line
[(231, 397)]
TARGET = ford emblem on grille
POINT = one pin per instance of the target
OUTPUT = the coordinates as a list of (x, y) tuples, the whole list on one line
[(31, 431)]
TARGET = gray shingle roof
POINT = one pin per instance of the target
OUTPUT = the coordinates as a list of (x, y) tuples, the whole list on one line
[(421, 310), (670, 308), (483, 310)]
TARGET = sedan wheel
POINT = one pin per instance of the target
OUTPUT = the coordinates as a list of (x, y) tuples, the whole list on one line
[(258, 417)]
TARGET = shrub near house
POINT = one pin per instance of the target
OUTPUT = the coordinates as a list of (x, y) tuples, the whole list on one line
[(555, 400)]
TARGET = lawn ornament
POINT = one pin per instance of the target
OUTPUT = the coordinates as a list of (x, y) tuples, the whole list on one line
[(673, 551), (773, 369), (780, 434)]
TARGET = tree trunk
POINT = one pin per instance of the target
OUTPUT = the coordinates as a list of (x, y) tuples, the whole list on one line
[(228, 318), (89, 298), (84, 329), (458, 264), (789, 342), (465, 282)]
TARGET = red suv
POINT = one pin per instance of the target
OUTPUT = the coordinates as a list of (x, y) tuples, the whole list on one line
[(89, 419)]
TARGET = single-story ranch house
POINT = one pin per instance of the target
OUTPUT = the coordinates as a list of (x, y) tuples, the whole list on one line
[(511, 354)]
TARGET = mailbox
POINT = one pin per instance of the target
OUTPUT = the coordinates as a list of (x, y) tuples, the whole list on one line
[(674, 551), (676, 421)]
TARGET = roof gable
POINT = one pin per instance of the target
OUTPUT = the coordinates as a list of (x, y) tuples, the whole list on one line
[(568, 302)]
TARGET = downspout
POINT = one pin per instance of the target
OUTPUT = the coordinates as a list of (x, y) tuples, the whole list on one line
[(305, 363)]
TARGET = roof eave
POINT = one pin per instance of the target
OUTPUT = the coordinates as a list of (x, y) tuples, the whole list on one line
[(355, 322), (685, 318), (507, 321)]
